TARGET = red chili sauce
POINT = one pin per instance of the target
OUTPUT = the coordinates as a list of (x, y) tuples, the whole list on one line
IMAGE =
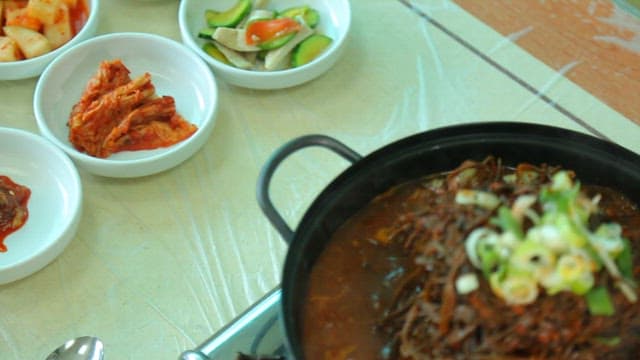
[(13, 208)]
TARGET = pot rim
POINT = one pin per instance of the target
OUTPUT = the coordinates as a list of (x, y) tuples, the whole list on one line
[(610, 164)]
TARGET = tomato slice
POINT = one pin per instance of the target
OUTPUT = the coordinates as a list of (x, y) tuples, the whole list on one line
[(260, 31)]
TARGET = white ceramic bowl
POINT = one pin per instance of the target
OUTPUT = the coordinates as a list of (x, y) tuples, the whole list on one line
[(54, 206), (29, 68), (335, 21), (175, 71)]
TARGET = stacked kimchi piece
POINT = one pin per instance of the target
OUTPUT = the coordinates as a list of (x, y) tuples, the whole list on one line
[(116, 113)]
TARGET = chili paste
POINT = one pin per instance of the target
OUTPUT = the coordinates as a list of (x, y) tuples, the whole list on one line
[(13, 208)]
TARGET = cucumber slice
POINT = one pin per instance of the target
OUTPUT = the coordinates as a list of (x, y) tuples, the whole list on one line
[(310, 15), (309, 49), (213, 51), (206, 33), (230, 17), (259, 14), (277, 42), (262, 54)]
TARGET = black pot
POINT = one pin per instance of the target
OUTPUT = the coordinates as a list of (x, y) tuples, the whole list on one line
[(595, 161)]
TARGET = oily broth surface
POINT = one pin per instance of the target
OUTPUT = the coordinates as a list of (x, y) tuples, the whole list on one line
[(339, 321)]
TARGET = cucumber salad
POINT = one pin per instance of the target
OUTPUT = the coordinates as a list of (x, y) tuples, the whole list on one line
[(250, 36)]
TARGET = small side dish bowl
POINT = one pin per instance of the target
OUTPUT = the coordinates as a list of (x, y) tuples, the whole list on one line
[(29, 68), (175, 71), (54, 206), (335, 22)]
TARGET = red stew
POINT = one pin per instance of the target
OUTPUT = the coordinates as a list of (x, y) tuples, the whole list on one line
[(382, 288), (13, 208)]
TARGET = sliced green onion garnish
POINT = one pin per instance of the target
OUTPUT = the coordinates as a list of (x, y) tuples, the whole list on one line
[(609, 340), (533, 257), (518, 289), (467, 283), (599, 301), (507, 222), (483, 199), (625, 260), (558, 252)]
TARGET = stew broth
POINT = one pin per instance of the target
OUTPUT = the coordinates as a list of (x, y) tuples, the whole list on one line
[(352, 283)]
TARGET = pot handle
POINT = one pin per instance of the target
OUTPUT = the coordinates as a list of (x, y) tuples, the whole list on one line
[(264, 179)]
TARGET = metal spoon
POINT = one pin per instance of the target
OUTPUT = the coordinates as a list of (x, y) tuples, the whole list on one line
[(82, 348)]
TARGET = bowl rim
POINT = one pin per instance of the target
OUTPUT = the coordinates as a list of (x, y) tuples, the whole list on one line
[(56, 242), (43, 60), (206, 124), (190, 40)]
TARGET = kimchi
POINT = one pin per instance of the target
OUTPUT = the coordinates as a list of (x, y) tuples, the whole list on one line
[(117, 113)]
